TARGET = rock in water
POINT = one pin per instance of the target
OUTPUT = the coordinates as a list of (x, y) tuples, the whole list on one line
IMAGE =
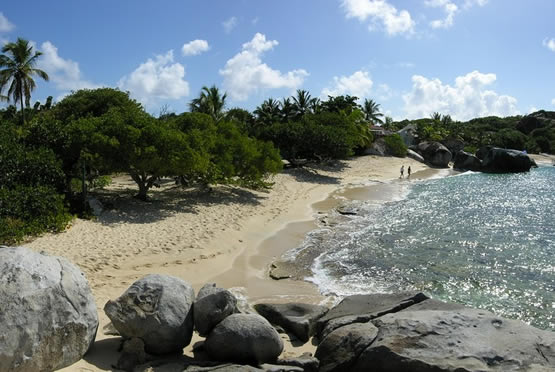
[(244, 338), (48, 317), (466, 161), (156, 309), (458, 340), (498, 160), (212, 305)]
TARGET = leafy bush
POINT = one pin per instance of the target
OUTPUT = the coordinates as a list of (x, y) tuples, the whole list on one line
[(30, 210), (395, 145)]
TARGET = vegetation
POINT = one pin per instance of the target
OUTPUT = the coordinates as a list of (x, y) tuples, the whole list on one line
[(395, 145), (17, 67)]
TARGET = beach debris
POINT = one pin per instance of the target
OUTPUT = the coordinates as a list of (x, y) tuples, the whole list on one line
[(157, 309), (244, 338), (339, 350), (48, 315), (296, 318), (211, 306)]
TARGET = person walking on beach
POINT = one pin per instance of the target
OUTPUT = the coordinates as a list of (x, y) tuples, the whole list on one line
[(408, 172), (402, 171)]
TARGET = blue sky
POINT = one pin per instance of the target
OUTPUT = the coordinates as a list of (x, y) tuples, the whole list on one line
[(466, 58)]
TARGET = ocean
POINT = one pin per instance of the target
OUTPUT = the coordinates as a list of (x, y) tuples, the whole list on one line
[(482, 240)]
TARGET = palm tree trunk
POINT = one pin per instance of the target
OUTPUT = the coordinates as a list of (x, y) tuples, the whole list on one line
[(21, 100)]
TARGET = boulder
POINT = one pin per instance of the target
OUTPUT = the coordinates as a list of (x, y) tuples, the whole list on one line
[(306, 361), (467, 161), (454, 145), (244, 338), (409, 135), (499, 160), (348, 209), (342, 347), (378, 147), (536, 120), (211, 307), (48, 317), (296, 318), (156, 309), (435, 154), (482, 151), (362, 308), (416, 156), (459, 340)]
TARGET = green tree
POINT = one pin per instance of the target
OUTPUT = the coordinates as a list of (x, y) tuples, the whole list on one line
[(268, 112), (301, 103), (17, 67), (211, 102), (372, 112), (287, 109)]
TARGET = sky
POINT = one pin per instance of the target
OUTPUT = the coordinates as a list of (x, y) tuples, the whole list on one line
[(465, 58)]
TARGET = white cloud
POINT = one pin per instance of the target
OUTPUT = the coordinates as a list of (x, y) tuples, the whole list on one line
[(195, 47), (380, 12), (467, 99), (358, 84), (156, 79), (5, 24), (553, 101), (549, 44), (229, 24), (470, 3), (450, 9), (65, 73), (245, 72)]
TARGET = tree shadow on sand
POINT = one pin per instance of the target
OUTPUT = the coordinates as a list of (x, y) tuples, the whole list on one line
[(122, 207), (318, 173)]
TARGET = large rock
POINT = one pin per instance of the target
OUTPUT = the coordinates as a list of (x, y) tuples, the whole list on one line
[(156, 309), (467, 161), (48, 317), (212, 305), (244, 338), (342, 347), (499, 160), (453, 144), (378, 147), (362, 308), (536, 120), (296, 318), (416, 156), (459, 340), (409, 135), (435, 154)]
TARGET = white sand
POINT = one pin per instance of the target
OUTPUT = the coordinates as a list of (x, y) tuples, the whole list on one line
[(204, 237)]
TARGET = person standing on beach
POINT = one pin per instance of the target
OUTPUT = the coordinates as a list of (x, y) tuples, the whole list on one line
[(408, 172), (402, 171)]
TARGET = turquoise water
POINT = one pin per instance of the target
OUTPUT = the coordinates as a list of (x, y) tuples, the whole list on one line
[(484, 240)]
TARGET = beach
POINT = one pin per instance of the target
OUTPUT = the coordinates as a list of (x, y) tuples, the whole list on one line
[(229, 236)]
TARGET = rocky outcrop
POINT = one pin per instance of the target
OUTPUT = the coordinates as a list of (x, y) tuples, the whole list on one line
[(454, 145), (156, 309), (409, 135), (363, 308), (467, 161), (458, 340), (378, 147), (435, 154), (244, 338), (498, 160), (296, 318), (48, 317), (211, 307), (536, 120)]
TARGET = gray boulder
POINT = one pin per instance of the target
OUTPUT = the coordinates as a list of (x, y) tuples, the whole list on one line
[(536, 120), (296, 318), (342, 347), (48, 317), (466, 161), (498, 160), (156, 309), (435, 154), (378, 147), (306, 361), (244, 338), (454, 145), (459, 340), (212, 305), (362, 308), (416, 156), (409, 135)]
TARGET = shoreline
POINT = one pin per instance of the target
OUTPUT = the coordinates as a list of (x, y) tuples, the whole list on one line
[(227, 237)]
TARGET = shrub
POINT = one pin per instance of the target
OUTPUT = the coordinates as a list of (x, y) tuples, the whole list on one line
[(395, 145)]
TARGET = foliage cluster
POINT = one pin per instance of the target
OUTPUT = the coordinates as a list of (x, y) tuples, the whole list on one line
[(395, 145)]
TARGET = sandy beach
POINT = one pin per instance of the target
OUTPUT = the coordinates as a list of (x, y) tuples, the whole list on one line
[(229, 236)]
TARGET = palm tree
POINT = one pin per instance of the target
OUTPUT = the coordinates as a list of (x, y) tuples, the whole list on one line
[(268, 112), (301, 102), (372, 112), (287, 110), (211, 102), (17, 67)]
